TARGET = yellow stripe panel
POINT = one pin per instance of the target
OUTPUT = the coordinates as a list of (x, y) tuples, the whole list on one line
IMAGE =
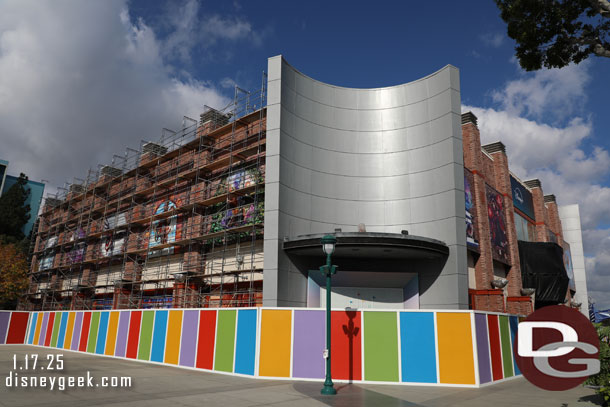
[(69, 330), (38, 326), (172, 343), (113, 325), (456, 360), (275, 346)]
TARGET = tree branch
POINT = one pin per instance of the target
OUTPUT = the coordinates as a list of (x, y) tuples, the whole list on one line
[(601, 51), (602, 7)]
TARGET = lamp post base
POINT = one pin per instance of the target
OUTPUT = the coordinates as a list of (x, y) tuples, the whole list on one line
[(328, 390)]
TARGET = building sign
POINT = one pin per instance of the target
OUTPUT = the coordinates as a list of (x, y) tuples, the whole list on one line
[(471, 230), (497, 224), (522, 198), (567, 262)]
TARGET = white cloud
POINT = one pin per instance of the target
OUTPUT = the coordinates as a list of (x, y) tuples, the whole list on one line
[(549, 91), (559, 154), (192, 31), (79, 82), (494, 40)]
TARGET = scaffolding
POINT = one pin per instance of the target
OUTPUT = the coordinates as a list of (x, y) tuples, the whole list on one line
[(177, 223)]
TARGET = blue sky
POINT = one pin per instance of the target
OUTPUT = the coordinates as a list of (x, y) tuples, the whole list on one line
[(79, 81)]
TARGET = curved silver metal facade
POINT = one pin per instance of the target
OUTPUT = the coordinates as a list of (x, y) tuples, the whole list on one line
[(390, 158)]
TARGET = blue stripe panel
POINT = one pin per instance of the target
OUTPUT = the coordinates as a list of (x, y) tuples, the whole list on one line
[(158, 343), (102, 332), (417, 347), (245, 343), (62, 329), (514, 323), (33, 328)]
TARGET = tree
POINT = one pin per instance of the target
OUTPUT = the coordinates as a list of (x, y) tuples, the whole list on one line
[(13, 275), (555, 33), (14, 213)]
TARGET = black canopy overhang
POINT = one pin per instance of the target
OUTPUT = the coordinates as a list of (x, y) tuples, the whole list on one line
[(367, 259)]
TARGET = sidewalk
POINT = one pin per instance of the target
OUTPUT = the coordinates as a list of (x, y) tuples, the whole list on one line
[(154, 385)]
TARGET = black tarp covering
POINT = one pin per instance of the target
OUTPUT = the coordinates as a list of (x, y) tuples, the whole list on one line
[(542, 268)]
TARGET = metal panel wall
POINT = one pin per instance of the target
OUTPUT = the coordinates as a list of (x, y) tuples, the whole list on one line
[(390, 158)]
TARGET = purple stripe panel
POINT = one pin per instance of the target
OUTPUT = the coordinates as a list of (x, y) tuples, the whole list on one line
[(121, 338), (43, 329), (78, 325), (480, 321), (309, 345), (189, 338), (4, 318)]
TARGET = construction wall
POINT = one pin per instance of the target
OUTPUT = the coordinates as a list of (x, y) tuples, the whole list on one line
[(463, 348)]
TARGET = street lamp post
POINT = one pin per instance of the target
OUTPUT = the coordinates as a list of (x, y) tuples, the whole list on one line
[(328, 245)]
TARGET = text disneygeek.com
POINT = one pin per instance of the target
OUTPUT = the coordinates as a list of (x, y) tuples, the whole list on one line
[(25, 368)]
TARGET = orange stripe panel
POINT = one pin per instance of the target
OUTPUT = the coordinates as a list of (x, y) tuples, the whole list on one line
[(456, 359), (275, 346)]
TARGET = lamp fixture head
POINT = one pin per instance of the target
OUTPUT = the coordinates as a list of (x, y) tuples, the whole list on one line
[(328, 244)]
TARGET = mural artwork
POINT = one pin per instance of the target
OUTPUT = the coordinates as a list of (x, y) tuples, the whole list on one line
[(46, 262), (112, 245), (165, 230), (77, 254), (497, 224)]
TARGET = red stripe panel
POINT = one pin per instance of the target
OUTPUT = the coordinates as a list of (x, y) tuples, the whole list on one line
[(346, 335), (84, 336), (495, 347), (134, 334), (47, 339), (18, 327), (207, 335)]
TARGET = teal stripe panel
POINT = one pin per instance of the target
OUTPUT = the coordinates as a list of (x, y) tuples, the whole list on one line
[(158, 342), (102, 332), (245, 343), (417, 347), (33, 328), (514, 323), (62, 329)]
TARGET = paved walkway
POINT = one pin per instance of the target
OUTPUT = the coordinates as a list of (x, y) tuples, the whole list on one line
[(154, 385)]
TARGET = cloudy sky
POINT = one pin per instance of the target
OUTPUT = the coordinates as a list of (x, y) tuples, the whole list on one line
[(82, 80)]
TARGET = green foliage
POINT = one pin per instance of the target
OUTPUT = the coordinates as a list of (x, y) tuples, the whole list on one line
[(555, 33), (14, 213), (13, 275), (602, 379)]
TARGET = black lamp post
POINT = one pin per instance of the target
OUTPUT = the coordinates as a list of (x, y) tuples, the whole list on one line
[(328, 245)]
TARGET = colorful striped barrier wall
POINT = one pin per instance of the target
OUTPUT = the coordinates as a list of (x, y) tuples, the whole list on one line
[(453, 348)]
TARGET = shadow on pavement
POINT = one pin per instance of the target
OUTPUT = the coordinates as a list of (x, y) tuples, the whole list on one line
[(351, 395), (593, 398)]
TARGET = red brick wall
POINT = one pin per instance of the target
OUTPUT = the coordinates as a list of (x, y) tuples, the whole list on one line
[(503, 186), (494, 171), (473, 159)]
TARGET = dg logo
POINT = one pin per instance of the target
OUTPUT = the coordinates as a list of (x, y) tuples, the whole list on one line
[(557, 348)]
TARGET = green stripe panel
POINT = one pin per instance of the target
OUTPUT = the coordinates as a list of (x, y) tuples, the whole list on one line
[(146, 335), (95, 325), (507, 355), (56, 329), (225, 340), (380, 346)]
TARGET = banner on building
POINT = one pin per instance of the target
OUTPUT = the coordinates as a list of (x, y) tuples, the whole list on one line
[(471, 230), (497, 224), (567, 262), (522, 198)]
